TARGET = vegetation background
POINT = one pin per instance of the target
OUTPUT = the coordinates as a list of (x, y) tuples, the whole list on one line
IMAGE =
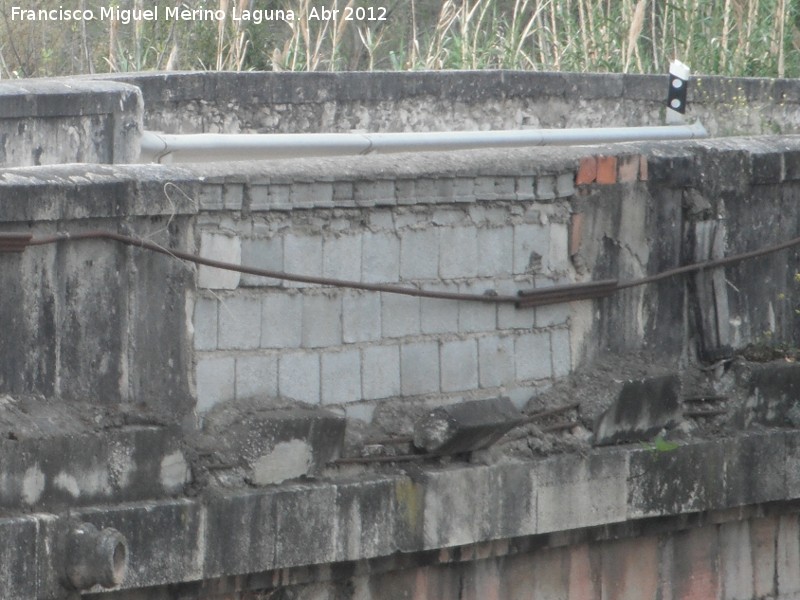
[(727, 37)]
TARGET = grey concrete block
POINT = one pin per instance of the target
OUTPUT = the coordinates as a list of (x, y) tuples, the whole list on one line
[(209, 197), (459, 365), (545, 187), (511, 317), (484, 188), (205, 324), (281, 320), (560, 348), (343, 193), (256, 375), (361, 316), (643, 408), (232, 196), (263, 253), (400, 315), (311, 194), (341, 377), (525, 188), (438, 315), (341, 257), (419, 368), (380, 257), (565, 185), (495, 251), (476, 316), (380, 367), (322, 320), (405, 191), (465, 426), (226, 248), (302, 255), (419, 254), (259, 197), (280, 196), (299, 376), (505, 188), (532, 356), (215, 377), (239, 323), (458, 255), (463, 189), (374, 193), (531, 248), (558, 258), (496, 361)]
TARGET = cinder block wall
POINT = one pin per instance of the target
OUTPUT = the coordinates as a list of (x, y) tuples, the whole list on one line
[(446, 229)]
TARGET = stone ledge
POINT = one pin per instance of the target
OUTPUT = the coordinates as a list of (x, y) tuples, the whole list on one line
[(376, 515)]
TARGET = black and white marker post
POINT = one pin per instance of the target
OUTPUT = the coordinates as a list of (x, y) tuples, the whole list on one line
[(676, 98)]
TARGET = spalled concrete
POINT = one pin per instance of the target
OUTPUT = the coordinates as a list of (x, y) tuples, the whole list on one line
[(642, 409), (465, 427)]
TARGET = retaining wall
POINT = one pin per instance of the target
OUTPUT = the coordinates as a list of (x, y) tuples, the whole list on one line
[(455, 100)]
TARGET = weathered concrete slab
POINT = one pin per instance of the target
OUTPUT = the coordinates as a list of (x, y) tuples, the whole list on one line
[(78, 469), (466, 426), (773, 396), (642, 409), (263, 446)]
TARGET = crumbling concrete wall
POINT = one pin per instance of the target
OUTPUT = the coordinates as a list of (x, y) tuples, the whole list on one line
[(45, 122), (111, 353), (457, 100)]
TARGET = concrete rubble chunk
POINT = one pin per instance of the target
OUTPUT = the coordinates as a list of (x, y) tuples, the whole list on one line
[(263, 445), (465, 427), (643, 408)]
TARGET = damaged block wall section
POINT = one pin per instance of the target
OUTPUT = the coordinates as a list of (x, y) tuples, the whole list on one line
[(433, 226)]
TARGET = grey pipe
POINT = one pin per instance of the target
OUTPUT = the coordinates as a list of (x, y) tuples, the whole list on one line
[(206, 147), (95, 556)]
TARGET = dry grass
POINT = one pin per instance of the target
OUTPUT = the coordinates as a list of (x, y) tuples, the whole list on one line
[(731, 37)]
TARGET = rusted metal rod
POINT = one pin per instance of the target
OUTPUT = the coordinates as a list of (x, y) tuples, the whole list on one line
[(550, 412), (16, 242)]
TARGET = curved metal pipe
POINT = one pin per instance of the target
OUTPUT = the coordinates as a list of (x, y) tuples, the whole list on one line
[(206, 147)]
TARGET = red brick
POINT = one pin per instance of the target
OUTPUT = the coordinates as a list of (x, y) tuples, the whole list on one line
[(695, 564), (628, 168), (587, 172), (643, 168), (583, 584), (630, 569), (606, 169)]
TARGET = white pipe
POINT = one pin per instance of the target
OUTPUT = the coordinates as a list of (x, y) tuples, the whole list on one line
[(206, 147)]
